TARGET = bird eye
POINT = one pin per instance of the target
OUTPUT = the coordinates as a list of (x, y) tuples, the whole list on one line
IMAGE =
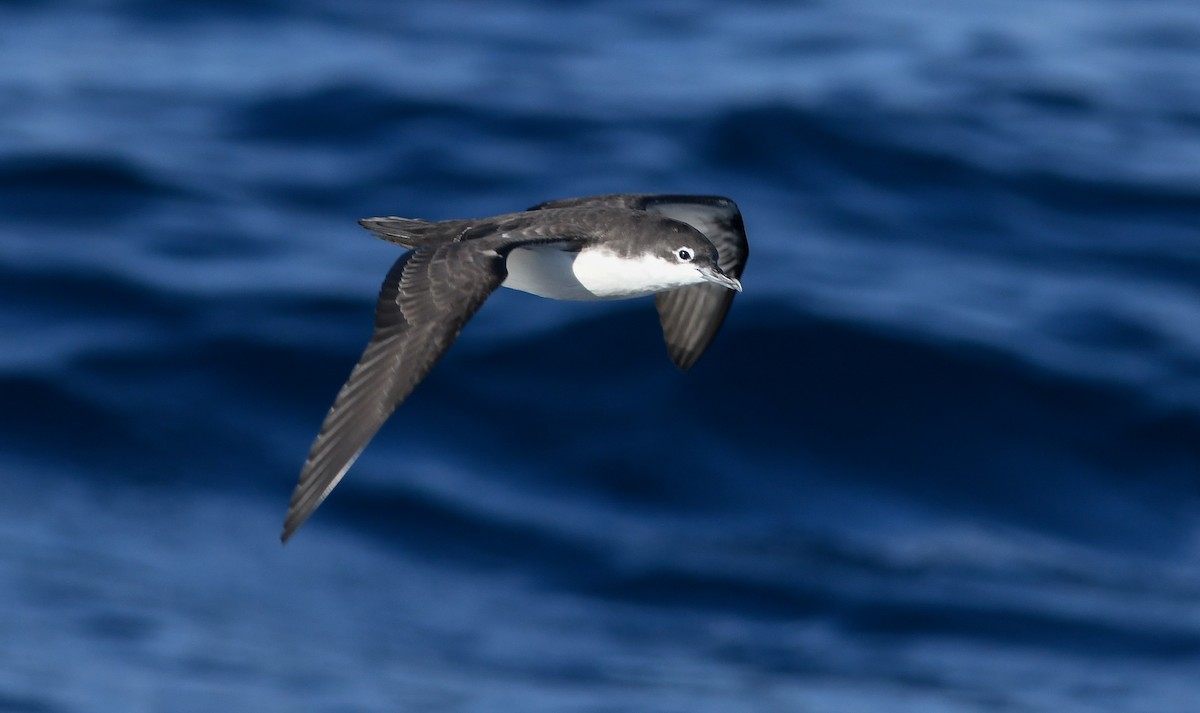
[(684, 254)]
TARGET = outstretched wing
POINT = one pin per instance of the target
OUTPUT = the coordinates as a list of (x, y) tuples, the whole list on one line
[(690, 316), (427, 297)]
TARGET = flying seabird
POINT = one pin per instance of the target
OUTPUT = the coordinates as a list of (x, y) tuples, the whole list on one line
[(688, 251)]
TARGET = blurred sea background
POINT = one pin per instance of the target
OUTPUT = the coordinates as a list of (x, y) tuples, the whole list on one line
[(944, 455)]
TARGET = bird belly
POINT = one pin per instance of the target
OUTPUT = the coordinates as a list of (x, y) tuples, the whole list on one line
[(548, 271)]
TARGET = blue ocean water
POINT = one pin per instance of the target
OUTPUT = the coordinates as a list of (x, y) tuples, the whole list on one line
[(944, 455)]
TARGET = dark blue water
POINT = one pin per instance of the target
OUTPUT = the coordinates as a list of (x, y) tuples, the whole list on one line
[(944, 456)]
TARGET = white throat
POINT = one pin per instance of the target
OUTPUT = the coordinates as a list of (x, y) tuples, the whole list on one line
[(593, 273)]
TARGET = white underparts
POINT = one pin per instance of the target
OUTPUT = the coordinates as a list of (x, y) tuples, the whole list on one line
[(593, 274)]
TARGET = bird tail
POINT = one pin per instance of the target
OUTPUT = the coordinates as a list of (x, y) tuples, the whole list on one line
[(413, 232)]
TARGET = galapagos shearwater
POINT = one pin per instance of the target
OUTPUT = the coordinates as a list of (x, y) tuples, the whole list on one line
[(688, 251)]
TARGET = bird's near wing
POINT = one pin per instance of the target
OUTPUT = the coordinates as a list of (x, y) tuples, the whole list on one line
[(690, 316), (427, 297)]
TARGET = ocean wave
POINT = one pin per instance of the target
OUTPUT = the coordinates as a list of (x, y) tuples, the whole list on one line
[(818, 149), (336, 114), (77, 187)]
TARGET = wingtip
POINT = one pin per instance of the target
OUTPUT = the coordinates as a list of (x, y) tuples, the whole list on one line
[(684, 359), (297, 514), (289, 529)]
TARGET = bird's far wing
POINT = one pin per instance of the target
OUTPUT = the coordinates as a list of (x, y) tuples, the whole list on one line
[(691, 316), (426, 298)]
